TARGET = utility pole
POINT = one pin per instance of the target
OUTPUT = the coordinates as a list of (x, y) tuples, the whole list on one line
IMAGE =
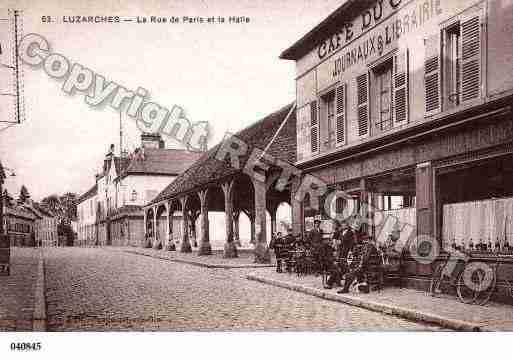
[(120, 135), (16, 29)]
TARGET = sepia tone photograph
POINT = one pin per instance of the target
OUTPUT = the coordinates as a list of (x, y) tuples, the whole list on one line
[(260, 166)]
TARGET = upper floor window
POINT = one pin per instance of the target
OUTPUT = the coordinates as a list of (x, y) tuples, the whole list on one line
[(383, 96), (452, 50), (133, 197), (453, 64)]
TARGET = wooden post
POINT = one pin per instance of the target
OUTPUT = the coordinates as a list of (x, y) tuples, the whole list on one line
[(261, 250), (204, 247), (230, 250), (186, 244)]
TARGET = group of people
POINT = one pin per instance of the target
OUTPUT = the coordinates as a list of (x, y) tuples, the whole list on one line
[(332, 253)]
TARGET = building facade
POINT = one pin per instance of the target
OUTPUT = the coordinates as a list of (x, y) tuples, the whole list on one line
[(406, 107), (110, 213), (19, 225), (45, 225)]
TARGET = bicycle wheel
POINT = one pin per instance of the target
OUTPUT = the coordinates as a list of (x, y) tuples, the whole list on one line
[(438, 285), (467, 295), (484, 295)]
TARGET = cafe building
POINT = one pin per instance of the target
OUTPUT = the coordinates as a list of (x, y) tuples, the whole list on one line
[(406, 106)]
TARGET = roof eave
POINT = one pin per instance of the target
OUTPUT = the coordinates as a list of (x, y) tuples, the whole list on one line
[(307, 42)]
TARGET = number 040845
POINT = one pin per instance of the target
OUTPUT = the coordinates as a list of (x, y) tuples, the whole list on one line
[(26, 346)]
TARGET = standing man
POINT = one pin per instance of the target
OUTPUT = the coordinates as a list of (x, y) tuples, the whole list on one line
[(316, 241)]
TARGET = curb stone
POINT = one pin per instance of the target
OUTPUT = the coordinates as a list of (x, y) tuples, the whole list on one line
[(39, 316), (199, 264), (403, 312)]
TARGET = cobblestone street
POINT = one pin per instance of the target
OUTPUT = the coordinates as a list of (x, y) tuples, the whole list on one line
[(97, 289)]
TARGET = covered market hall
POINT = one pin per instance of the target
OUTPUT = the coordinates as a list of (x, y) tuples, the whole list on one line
[(214, 183)]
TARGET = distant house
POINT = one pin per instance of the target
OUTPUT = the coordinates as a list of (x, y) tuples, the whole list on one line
[(110, 212), (45, 224), (19, 226)]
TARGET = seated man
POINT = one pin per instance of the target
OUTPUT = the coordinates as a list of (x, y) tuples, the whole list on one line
[(365, 254), (344, 238)]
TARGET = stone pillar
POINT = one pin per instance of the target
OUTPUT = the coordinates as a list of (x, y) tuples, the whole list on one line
[(252, 223), (261, 250), (156, 234), (236, 229), (425, 200), (273, 222), (364, 207), (230, 249), (143, 241), (186, 244), (170, 216), (204, 246), (297, 208)]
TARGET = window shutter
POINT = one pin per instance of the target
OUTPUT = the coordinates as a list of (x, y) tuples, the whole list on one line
[(362, 87), (470, 65), (401, 87), (314, 129), (432, 72), (341, 114)]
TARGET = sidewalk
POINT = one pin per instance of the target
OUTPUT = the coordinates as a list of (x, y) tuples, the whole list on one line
[(20, 298), (411, 304), (216, 260)]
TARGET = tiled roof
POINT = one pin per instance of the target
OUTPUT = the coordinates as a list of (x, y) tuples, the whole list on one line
[(208, 169), (161, 161), (19, 212), (121, 164), (93, 191), (43, 210)]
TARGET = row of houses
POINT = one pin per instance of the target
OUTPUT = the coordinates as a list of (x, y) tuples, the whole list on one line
[(404, 105), (30, 224), (110, 212)]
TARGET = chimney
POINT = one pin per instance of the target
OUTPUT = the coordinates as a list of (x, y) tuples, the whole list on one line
[(108, 158), (152, 140)]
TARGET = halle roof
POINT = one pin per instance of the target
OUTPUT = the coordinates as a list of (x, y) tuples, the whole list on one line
[(327, 27), (160, 161), (263, 135), (93, 191)]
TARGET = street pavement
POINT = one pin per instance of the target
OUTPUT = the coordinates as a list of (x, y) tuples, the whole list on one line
[(17, 290), (94, 289)]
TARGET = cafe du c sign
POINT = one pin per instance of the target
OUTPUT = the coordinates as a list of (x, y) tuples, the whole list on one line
[(380, 11)]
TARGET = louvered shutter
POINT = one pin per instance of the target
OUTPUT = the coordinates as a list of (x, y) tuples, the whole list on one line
[(400, 85), (341, 114), (470, 63), (362, 88), (432, 75), (314, 128)]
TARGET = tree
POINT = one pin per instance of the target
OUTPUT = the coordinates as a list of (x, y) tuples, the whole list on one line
[(24, 194), (7, 198), (52, 203), (69, 205)]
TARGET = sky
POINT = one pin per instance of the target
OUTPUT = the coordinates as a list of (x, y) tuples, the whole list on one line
[(227, 74)]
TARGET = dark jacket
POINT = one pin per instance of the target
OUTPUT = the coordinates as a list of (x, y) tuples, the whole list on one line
[(315, 238)]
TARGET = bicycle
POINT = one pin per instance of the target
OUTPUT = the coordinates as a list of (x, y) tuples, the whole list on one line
[(482, 280)]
